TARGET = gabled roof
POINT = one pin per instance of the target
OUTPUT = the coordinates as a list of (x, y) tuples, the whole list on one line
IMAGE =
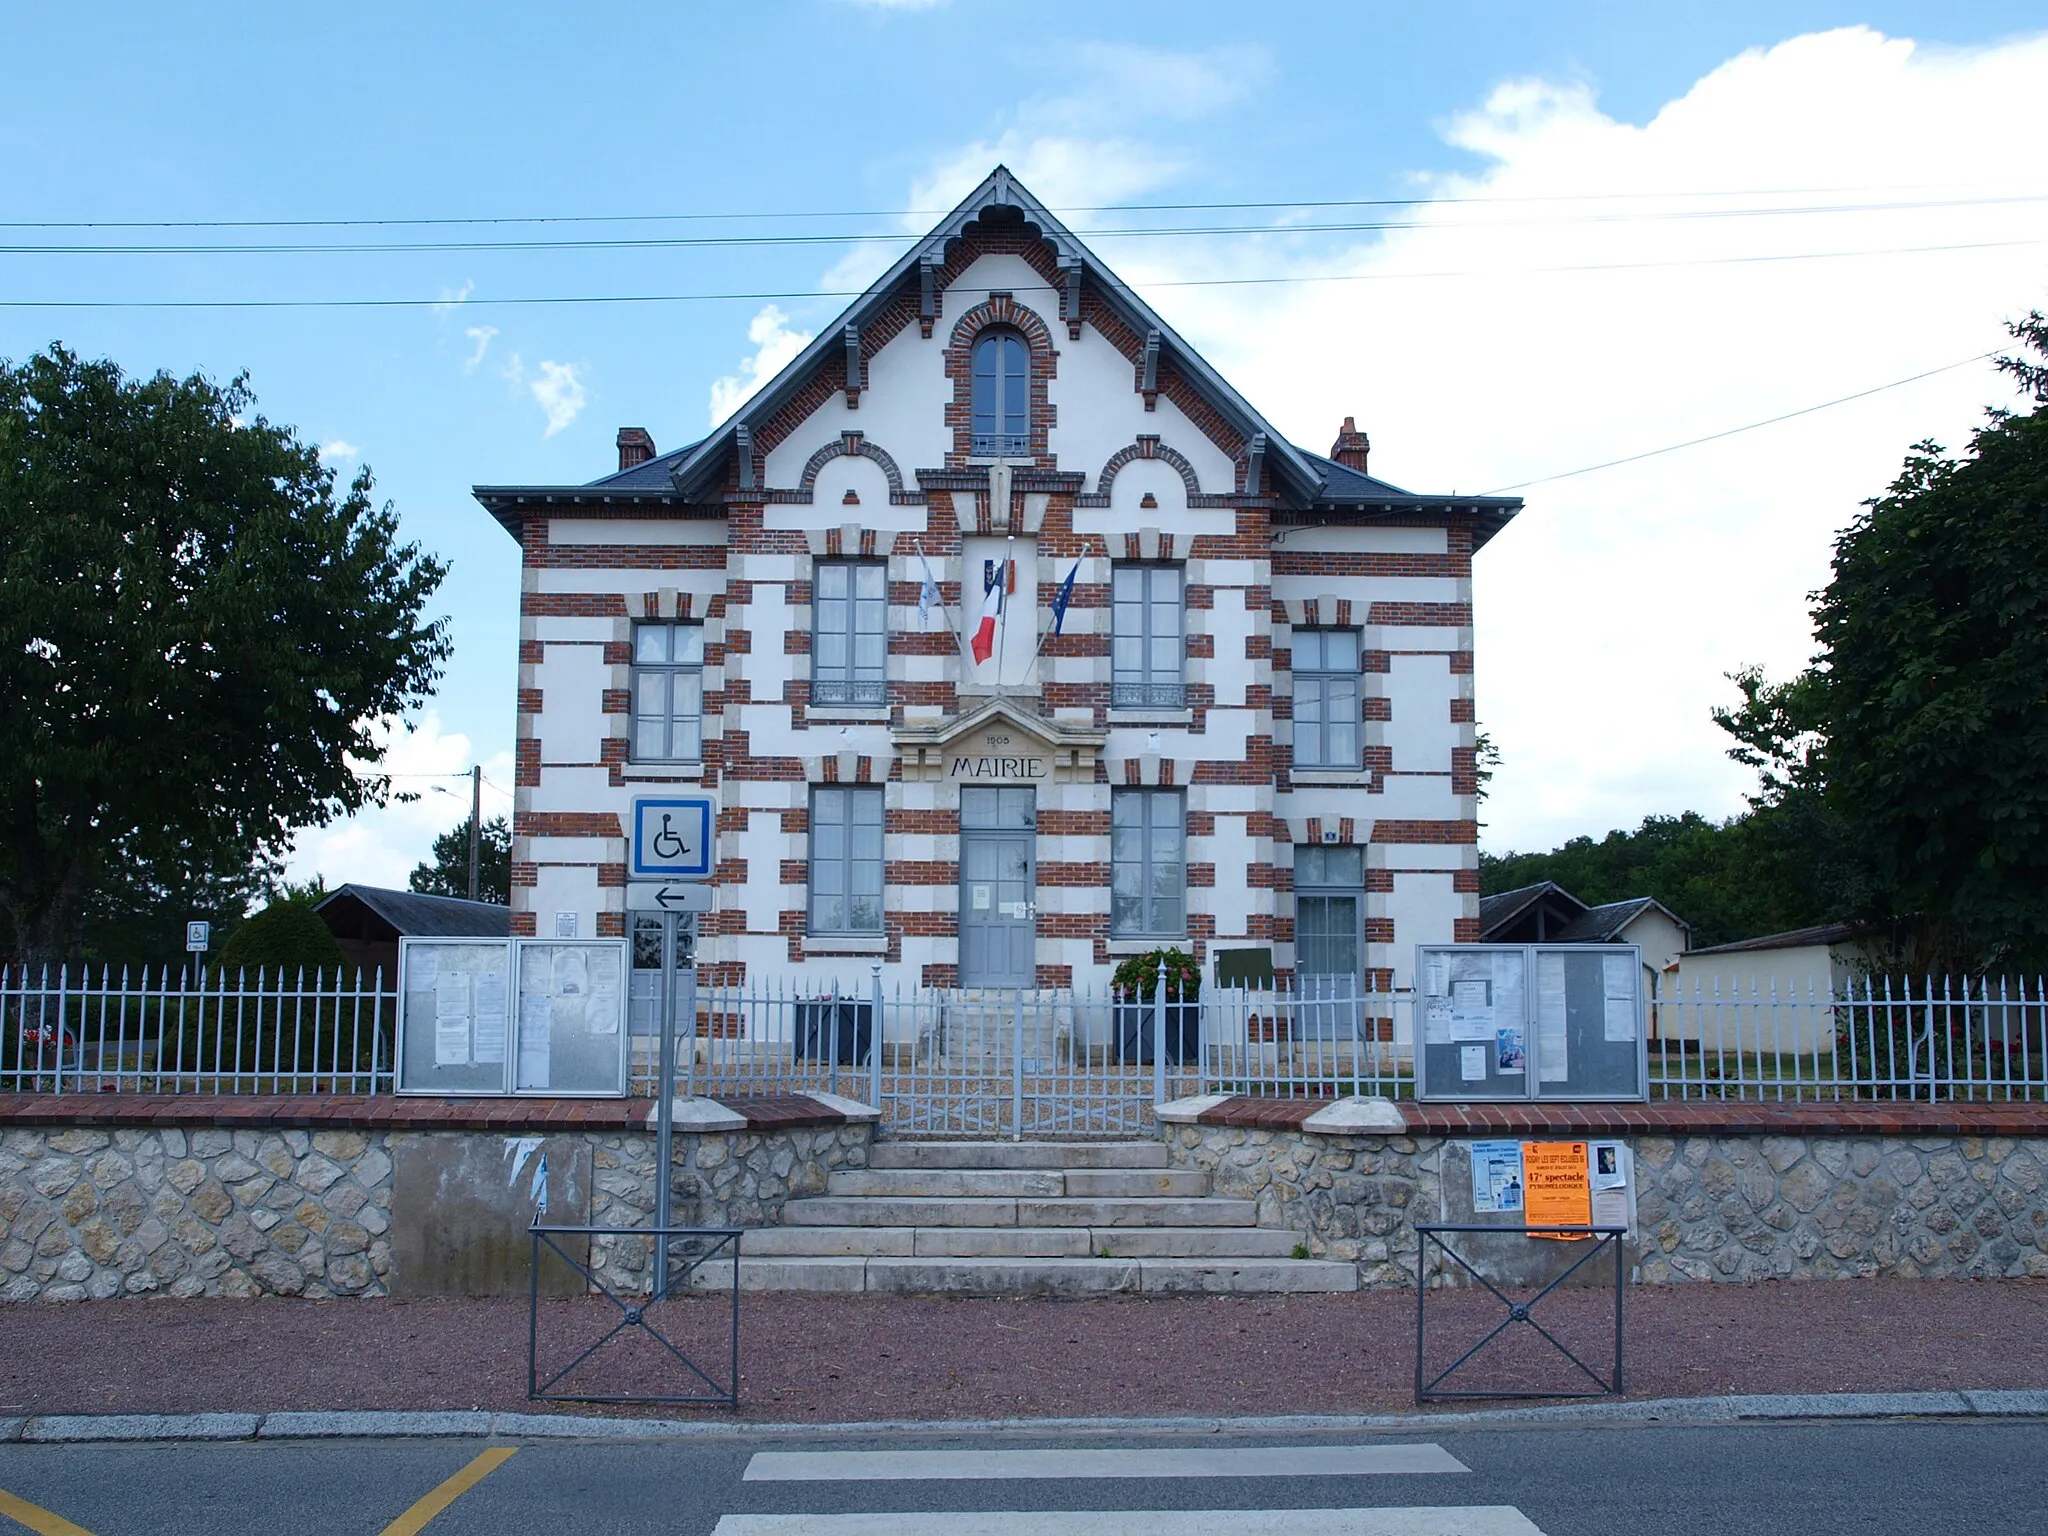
[(1307, 485), (1604, 924), (1502, 908), (419, 916)]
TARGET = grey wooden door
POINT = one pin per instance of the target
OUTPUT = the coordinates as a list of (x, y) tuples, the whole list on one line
[(998, 887)]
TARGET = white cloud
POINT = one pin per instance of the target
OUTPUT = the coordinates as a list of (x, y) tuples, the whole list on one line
[(453, 297), (381, 846), (340, 448), (560, 393), (775, 345), (1609, 612), (481, 335)]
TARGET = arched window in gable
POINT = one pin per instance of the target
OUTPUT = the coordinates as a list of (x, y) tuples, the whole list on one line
[(1002, 395)]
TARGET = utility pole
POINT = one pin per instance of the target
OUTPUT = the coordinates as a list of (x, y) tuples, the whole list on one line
[(476, 824)]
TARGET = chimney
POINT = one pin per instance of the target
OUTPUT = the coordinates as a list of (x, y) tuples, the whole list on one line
[(636, 447), (1350, 449)]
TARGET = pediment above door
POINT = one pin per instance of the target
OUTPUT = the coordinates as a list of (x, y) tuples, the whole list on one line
[(998, 744)]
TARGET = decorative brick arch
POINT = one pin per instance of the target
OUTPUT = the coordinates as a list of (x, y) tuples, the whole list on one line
[(999, 309), (1147, 446), (853, 445)]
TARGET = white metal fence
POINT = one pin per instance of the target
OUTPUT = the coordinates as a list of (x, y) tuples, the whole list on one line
[(76, 1029), (1034, 1062)]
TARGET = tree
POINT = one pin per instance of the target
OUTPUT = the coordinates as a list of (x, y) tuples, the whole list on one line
[(197, 636), (1933, 671), (447, 873)]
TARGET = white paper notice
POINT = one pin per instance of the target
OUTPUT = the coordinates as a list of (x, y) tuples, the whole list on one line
[(536, 969), (572, 972), (603, 1011), (1472, 1063), (451, 1042), (1619, 973), (1471, 1010), (1551, 1064), (422, 968), (1433, 972), (536, 1040), (490, 1018), (1610, 1183), (981, 898), (1621, 1018), (604, 970), (1436, 1020)]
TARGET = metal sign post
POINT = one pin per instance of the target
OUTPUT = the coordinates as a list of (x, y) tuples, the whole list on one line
[(673, 848)]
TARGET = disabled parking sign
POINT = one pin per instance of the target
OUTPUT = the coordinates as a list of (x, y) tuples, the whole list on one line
[(672, 838)]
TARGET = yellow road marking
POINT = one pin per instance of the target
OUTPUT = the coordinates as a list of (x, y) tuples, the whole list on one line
[(37, 1519), (415, 1520)]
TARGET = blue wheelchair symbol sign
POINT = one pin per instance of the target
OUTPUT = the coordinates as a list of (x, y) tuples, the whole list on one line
[(672, 838)]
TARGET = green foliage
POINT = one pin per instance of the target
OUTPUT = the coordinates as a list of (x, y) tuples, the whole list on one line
[(197, 634), (447, 873), (285, 936), (1137, 976), (1933, 668)]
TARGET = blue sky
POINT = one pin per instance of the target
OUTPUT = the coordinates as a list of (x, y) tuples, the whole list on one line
[(1607, 616)]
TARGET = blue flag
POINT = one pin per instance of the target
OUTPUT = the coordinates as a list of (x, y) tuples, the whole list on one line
[(1061, 598)]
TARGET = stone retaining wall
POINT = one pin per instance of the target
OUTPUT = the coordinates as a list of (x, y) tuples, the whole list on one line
[(98, 1211), (1737, 1207)]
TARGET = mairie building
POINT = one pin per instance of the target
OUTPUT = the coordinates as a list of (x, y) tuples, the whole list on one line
[(1011, 640)]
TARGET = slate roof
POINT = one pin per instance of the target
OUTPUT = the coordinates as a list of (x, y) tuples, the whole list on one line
[(1791, 938), (419, 916), (1503, 907), (1305, 483), (1603, 924)]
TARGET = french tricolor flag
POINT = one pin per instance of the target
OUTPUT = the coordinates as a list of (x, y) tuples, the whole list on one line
[(995, 579)]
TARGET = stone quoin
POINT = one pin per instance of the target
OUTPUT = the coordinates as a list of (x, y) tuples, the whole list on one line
[(1010, 640)]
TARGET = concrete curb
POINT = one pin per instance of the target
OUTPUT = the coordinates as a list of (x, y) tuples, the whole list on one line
[(75, 1429)]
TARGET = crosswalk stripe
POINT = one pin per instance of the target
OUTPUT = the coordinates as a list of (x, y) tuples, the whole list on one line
[(1176, 1461), (1474, 1520)]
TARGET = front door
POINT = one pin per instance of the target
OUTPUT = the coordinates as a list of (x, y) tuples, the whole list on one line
[(998, 887), (1329, 940)]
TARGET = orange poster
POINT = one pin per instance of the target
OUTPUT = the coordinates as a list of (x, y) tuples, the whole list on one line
[(1558, 1185)]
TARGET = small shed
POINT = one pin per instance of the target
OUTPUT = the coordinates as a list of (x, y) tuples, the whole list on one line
[(1547, 913), (367, 921), (1771, 993)]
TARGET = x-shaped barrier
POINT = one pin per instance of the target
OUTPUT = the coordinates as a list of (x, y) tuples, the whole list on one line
[(1605, 1239), (672, 1286)]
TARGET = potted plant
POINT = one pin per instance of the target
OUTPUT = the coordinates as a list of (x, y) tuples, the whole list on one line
[(1135, 986)]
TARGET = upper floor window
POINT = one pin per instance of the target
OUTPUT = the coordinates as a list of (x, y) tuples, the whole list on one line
[(1148, 872), (850, 632), (1145, 643), (1002, 395), (668, 693), (1326, 698)]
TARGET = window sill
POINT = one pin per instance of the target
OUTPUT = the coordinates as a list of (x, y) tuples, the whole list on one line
[(1310, 778), (846, 944), (1144, 946), (1140, 717), (846, 714), (691, 772)]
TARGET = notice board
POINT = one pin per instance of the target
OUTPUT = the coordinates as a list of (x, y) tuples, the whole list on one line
[(512, 1016), (1530, 1021)]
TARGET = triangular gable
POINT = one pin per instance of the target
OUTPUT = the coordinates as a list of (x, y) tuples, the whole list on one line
[(1289, 472), (999, 743)]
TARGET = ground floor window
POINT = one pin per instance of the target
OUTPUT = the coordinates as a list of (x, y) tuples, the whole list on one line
[(1329, 912), (846, 860), (1148, 863)]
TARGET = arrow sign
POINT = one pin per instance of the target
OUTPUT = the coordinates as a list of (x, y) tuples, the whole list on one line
[(667, 896)]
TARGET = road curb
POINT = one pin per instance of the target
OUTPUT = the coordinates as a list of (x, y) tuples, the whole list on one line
[(74, 1429)]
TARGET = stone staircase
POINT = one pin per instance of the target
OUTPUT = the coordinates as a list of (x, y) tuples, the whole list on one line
[(986, 1218)]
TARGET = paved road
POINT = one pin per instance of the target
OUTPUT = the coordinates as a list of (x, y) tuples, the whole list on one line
[(1816, 1479)]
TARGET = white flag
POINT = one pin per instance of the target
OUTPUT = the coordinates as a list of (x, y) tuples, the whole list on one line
[(928, 594)]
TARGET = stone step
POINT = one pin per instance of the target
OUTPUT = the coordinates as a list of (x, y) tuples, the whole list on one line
[(1019, 1242), (969, 1276), (1017, 1154), (1042, 1183), (922, 1211)]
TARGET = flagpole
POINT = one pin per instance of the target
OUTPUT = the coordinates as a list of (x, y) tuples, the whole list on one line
[(925, 564), (1009, 586), (1045, 634)]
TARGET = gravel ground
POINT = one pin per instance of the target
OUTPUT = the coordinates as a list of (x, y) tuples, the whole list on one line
[(831, 1358)]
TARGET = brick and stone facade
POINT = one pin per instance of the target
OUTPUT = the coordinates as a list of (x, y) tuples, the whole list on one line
[(864, 450)]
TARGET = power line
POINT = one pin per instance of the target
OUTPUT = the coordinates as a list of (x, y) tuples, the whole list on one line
[(866, 237), (802, 294), (934, 213), (1769, 421)]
